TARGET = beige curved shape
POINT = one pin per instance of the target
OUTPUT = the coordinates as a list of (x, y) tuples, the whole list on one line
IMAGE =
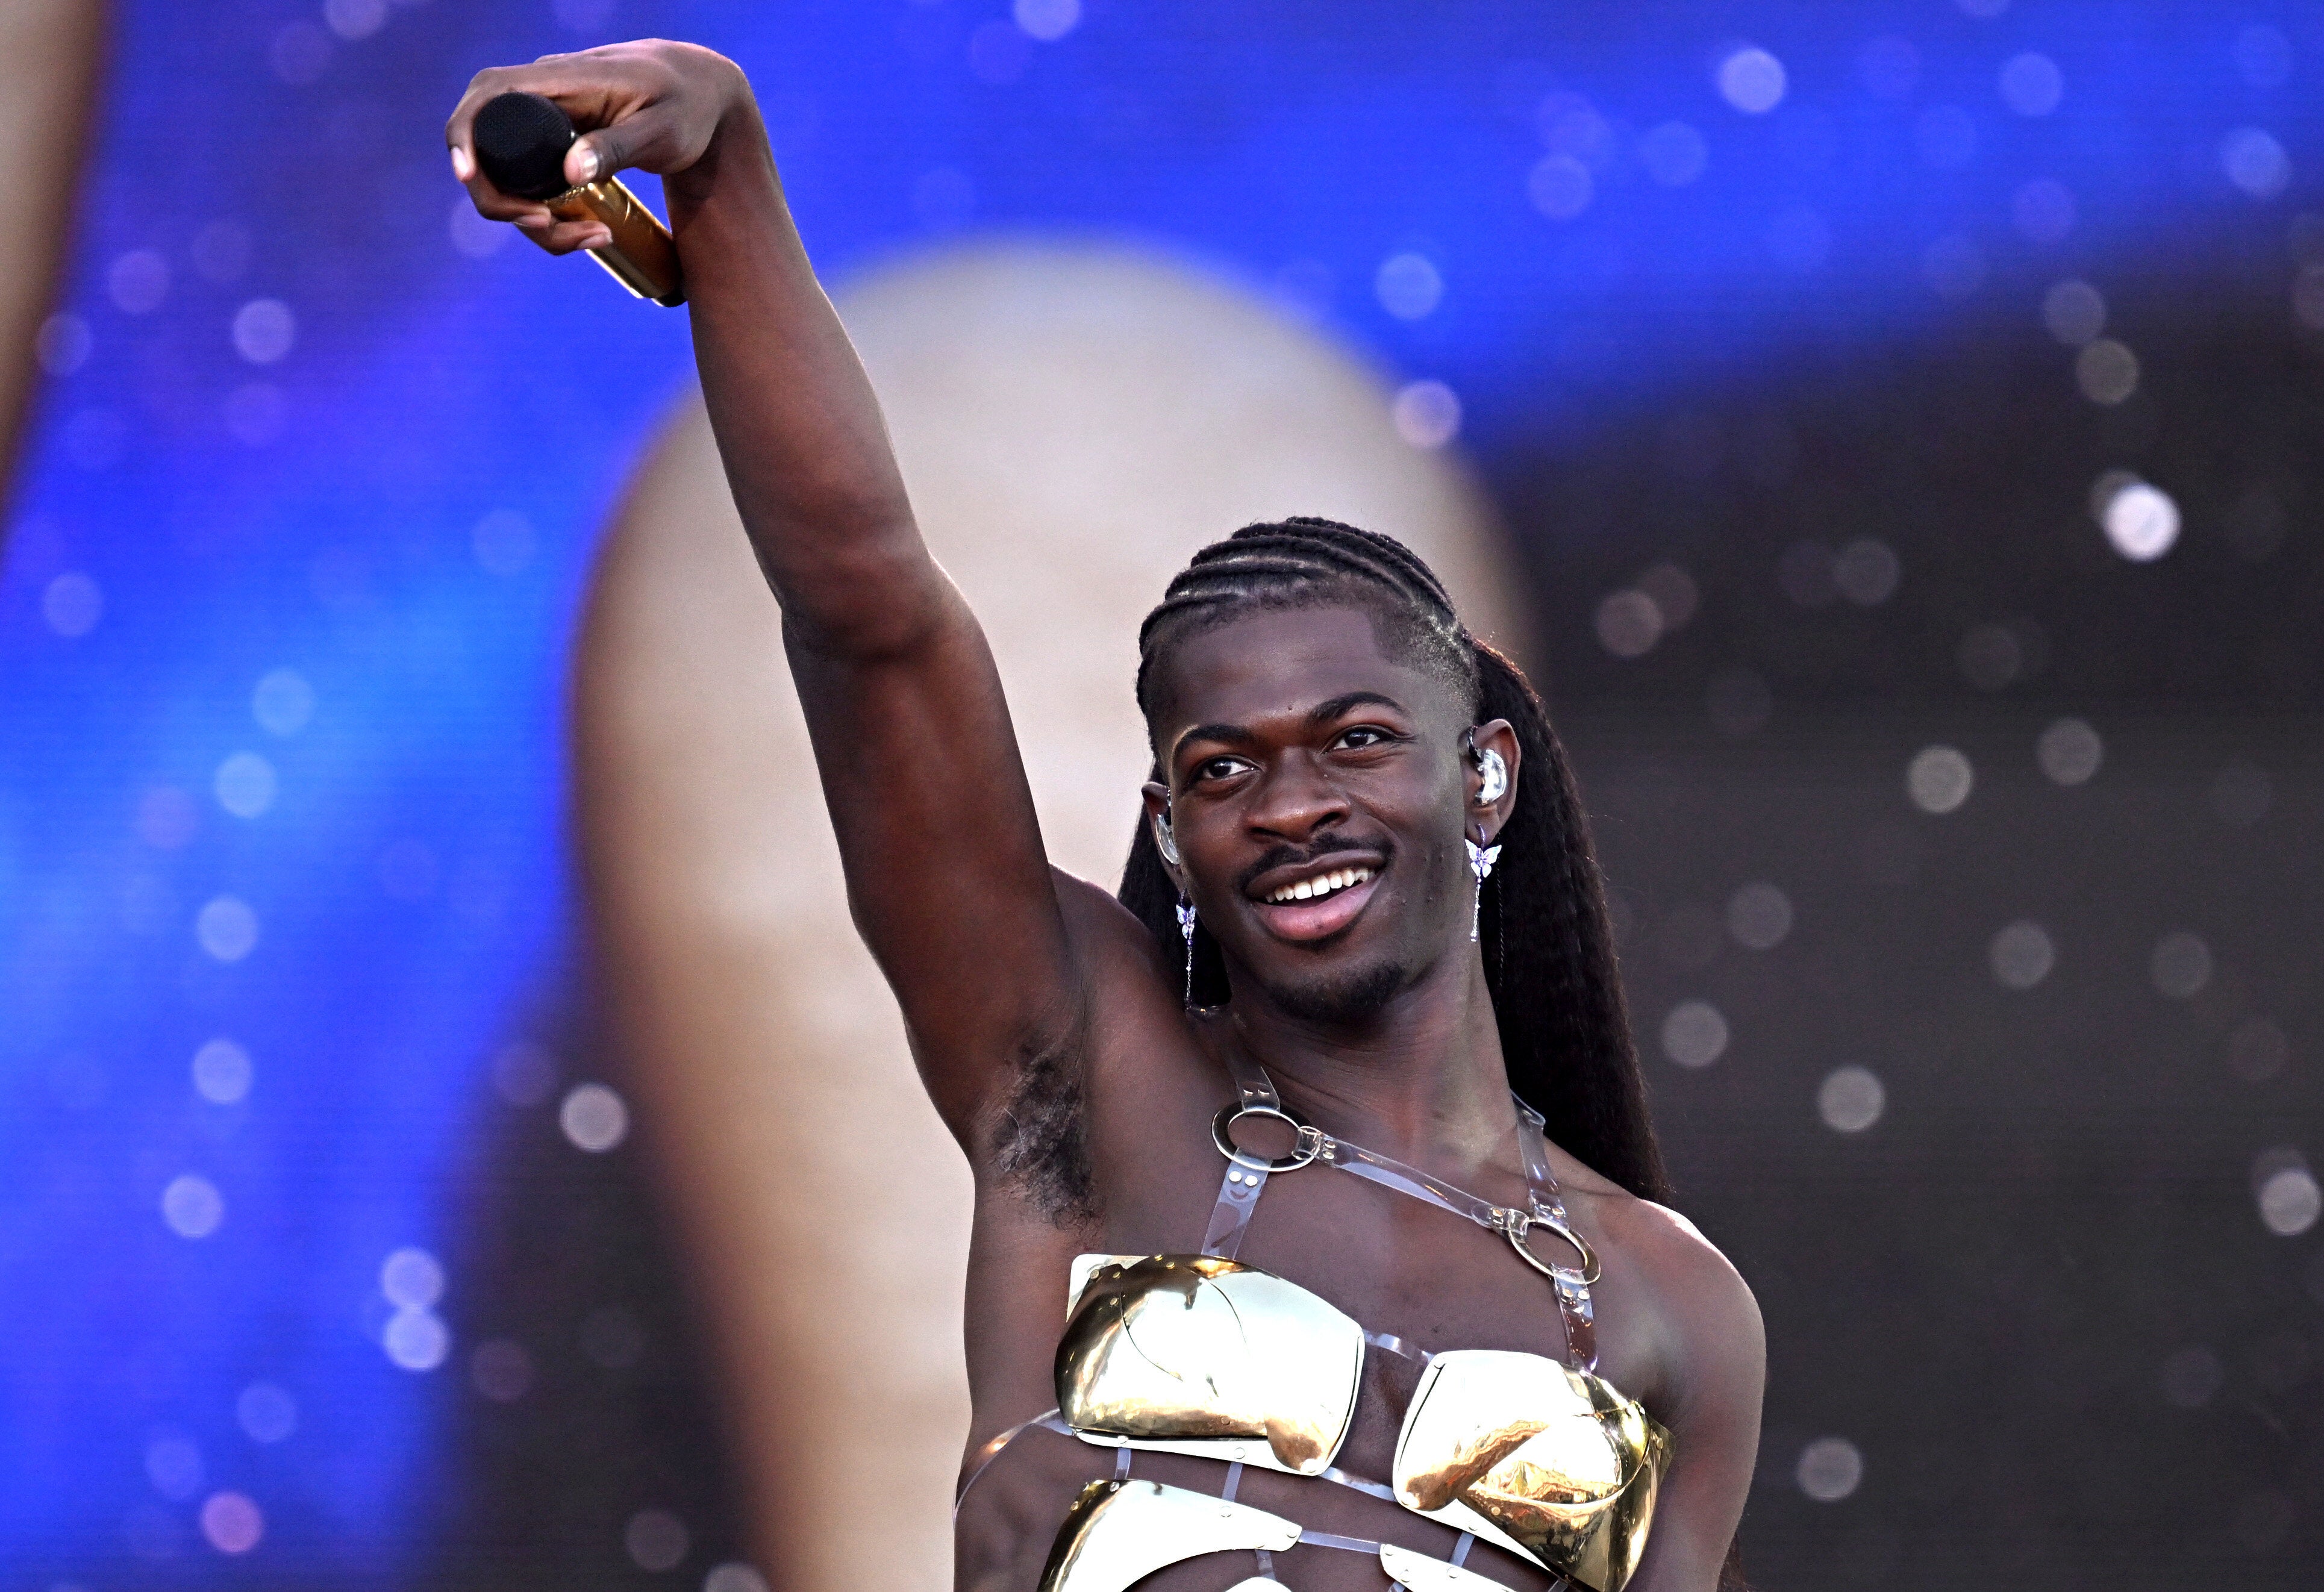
[(1074, 422), (49, 54)]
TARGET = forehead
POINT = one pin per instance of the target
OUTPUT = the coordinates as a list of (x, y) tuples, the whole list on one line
[(1268, 662)]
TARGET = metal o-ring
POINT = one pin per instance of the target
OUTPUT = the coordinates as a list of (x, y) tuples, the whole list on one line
[(1516, 1231), (1311, 1142)]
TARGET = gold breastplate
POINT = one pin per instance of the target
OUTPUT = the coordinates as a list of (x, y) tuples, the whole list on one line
[(1200, 1354), (1204, 1355)]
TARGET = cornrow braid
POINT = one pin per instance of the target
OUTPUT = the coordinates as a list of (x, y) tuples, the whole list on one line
[(1549, 953)]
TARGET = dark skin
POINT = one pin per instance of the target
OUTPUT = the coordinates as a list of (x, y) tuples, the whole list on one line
[(1294, 743)]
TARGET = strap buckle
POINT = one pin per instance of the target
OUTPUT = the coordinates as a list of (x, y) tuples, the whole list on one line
[(1308, 1141), (1514, 1224)]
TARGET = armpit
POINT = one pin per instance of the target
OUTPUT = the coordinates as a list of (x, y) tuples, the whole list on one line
[(1038, 1143)]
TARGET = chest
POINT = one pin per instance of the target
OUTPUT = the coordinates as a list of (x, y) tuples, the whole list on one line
[(1397, 1265)]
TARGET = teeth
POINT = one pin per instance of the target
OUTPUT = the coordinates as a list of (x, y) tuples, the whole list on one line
[(1308, 889)]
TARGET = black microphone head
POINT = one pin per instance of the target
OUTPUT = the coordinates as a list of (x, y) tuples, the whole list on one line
[(521, 144)]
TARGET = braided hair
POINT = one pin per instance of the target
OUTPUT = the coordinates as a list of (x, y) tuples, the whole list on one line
[(1549, 954)]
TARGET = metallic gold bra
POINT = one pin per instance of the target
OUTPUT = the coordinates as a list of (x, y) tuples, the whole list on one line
[(1203, 1355)]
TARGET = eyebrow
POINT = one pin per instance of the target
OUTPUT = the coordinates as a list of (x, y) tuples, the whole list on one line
[(1322, 712)]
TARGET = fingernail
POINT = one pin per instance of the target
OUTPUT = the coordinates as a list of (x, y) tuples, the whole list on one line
[(586, 164), (536, 220), (462, 168), (598, 239)]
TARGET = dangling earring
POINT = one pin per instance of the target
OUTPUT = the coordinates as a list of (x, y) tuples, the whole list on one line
[(1186, 932), (1481, 859)]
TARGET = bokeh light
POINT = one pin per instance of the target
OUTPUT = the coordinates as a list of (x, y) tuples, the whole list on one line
[(2032, 85), (1408, 286), (2141, 520), (1851, 1099), (222, 1071), (264, 330), (232, 1523), (1426, 413), (412, 1279), (266, 1412), (1830, 1468), (71, 604), (2069, 752), (244, 784), (1752, 80), (173, 1465), (415, 1340), (1695, 1034), (656, 1540), (2106, 371), (227, 928), (2181, 965), (593, 1117), (1629, 623), (2285, 1191), (1867, 572), (2022, 955), (1939, 778), (1674, 153), (2074, 312), (192, 1206), (282, 702), (1759, 917)]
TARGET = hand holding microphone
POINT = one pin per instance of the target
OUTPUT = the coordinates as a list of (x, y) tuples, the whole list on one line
[(521, 139), (655, 105)]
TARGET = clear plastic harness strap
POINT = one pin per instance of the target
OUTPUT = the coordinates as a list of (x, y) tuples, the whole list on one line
[(1334, 1539), (984, 1456), (1230, 1217)]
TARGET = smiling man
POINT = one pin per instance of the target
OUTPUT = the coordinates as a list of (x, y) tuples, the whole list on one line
[(1313, 1240)]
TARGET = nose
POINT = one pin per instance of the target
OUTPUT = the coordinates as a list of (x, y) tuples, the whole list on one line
[(1297, 800)]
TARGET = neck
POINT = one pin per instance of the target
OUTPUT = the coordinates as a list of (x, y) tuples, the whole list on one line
[(1421, 1079)]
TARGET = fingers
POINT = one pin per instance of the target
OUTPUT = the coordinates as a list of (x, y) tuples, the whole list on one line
[(459, 136), (647, 137), (563, 238)]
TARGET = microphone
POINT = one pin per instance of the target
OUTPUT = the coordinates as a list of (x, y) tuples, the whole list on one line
[(521, 142)]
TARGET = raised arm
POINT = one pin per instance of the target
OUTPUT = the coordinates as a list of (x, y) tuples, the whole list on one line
[(919, 763)]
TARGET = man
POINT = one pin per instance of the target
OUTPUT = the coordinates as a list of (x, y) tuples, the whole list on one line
[(1340, 770)]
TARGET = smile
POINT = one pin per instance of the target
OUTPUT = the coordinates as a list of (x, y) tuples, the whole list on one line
[(1317, 903), (1320, 886)]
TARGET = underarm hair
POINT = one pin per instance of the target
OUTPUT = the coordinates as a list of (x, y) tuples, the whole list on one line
[(1041, 1144)]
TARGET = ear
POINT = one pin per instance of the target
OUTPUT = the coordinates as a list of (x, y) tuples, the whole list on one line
[(1496, 738), (1157, 817)]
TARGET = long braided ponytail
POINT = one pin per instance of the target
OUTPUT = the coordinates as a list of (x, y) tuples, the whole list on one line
[(1549, 954)]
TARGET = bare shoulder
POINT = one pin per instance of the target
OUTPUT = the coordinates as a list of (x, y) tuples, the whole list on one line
[(1682, 1263), (1711, 1343)]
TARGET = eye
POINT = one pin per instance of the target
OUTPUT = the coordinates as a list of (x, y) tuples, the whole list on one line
[(1363, 737), (1220, 767)]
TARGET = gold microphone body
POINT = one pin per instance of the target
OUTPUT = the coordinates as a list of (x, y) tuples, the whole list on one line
[(642, 256)]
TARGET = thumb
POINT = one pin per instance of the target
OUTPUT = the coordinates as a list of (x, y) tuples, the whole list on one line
[(635, 140), (590, 158)]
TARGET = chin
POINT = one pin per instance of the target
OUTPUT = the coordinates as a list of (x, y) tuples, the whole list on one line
[(1341, 996)]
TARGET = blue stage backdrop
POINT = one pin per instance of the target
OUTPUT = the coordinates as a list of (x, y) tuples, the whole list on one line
[(298, 536)]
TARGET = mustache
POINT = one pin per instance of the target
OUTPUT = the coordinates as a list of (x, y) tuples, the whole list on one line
[(1288, 856)]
